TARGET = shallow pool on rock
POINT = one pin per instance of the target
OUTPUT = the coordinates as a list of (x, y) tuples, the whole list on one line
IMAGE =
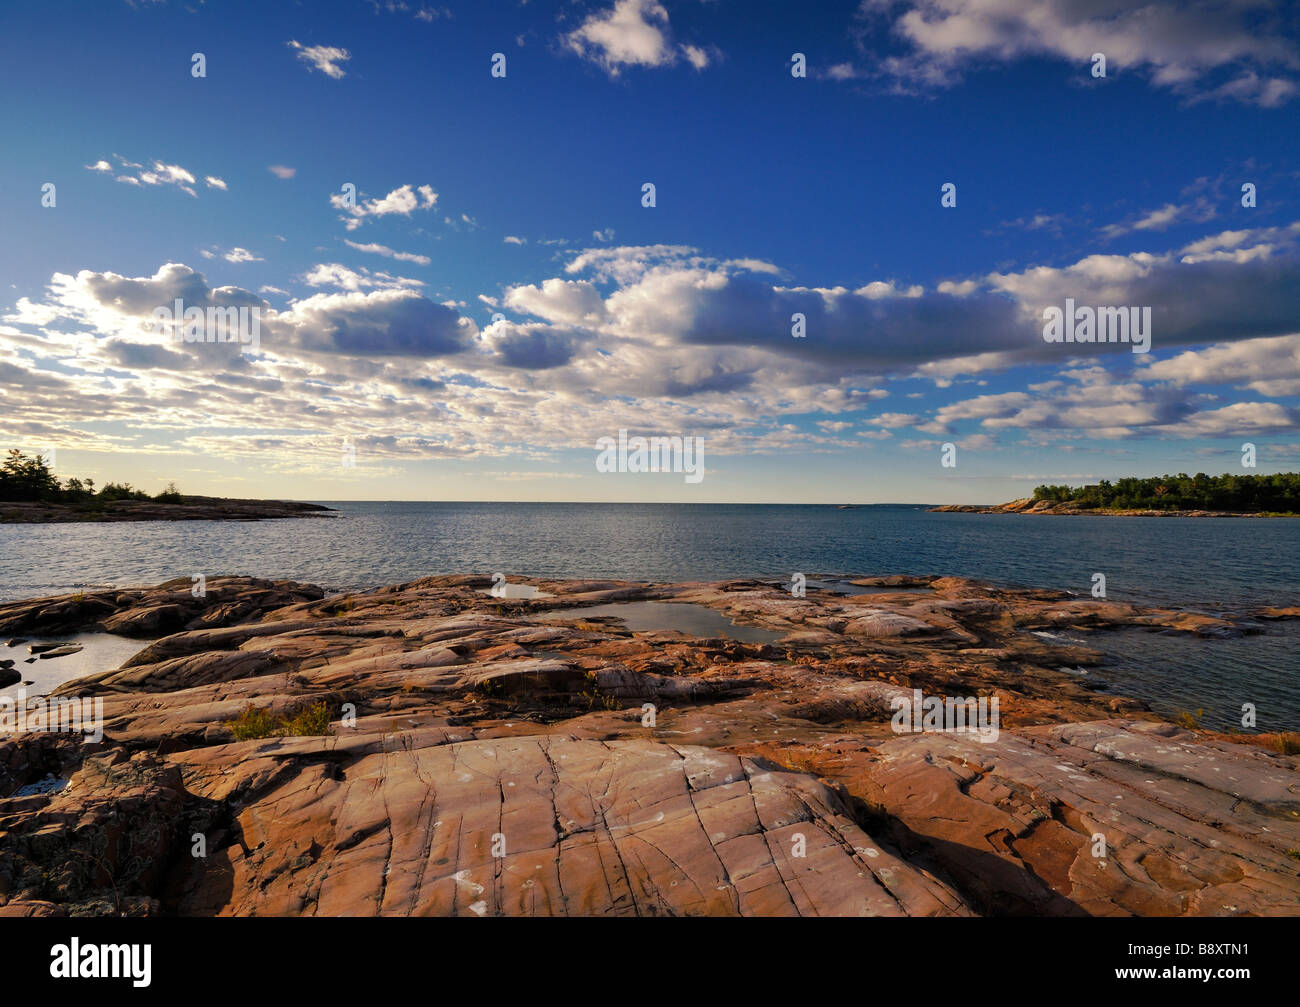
[(100, 652), (515, 591), (845, 587), (686, 617)]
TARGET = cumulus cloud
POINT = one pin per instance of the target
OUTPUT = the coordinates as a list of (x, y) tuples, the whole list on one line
[(1202, 48), (1240, 418), (138, 296), (376, 323), (666, 336), (570, 302), (532, 347), (402, 201), (241, 255), (632, 33), (1270, 367)]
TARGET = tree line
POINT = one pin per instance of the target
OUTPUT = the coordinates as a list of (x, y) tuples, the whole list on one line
[(26, 478), (1277, 493)]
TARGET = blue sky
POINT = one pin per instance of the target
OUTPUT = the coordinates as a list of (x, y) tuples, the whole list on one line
[(521, 197)]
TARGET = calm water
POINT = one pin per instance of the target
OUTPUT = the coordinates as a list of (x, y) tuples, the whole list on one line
[(1208, 564), (649, 616)]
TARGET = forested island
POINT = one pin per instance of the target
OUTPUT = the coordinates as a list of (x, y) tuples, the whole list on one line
[(30, 492), (1168, 495)]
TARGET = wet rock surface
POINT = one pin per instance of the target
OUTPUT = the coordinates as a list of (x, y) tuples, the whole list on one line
[(485, 757), (176, 605)]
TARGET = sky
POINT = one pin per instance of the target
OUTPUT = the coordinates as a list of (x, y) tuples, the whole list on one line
[(439, 216)]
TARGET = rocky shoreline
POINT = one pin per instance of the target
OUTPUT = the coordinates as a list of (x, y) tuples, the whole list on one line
[(1028, 505), (195, 508), (486, 757)]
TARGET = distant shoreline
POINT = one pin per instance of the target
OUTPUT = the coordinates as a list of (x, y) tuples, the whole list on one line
[(1031, 506), (194, 508)]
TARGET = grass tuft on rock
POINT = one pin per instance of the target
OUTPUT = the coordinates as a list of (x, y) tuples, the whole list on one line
[(256, 722)]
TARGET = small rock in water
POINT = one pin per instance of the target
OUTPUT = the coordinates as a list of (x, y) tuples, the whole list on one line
[(8, 677), (72, 648), (14, 641), (8, 662), (41, 648)]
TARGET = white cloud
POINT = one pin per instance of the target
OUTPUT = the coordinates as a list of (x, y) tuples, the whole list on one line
[(895, 420), (1163, 218), (401, 201), (1238, 419), (1268, 366), (696, 56), (632, 33), (334, 274), (570, 302), (325, 58), (664, 336), (1185, 46), (281, 171), (159, 173), (388, 253)]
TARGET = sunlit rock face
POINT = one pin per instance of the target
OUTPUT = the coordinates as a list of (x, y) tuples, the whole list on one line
[(433, 749)]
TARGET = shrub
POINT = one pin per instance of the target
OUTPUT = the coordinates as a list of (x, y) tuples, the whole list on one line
[(1288, 744), (255, 722), (121, 491), (1189, 720)]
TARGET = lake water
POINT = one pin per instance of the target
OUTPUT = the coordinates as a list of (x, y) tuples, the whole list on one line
[(652, 616), (1213, 565)]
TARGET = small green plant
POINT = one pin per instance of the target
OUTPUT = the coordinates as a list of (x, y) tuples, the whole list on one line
[(490, 687), (1288, 744), (1190, 721), (252, 723), (313, 721), (255, 722)]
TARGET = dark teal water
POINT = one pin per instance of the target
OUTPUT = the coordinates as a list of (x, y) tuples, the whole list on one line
[(1208, 564)]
